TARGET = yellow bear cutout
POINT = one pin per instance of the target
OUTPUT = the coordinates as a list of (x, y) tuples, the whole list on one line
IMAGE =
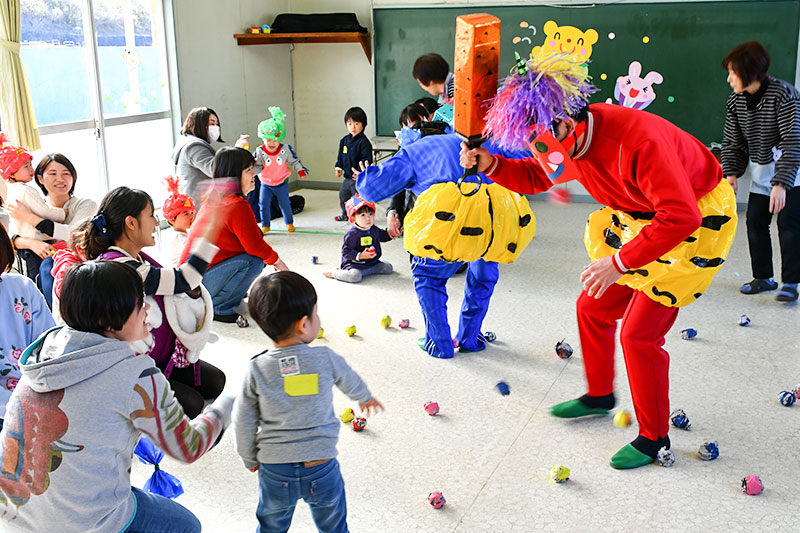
[(568, 39)]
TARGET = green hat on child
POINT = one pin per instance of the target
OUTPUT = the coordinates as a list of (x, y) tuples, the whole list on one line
[(273, 129)]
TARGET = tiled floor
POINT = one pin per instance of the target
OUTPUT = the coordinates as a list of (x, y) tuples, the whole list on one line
[(490, 454)]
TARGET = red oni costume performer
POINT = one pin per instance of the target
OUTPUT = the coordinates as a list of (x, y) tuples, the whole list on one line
[(668, 227)]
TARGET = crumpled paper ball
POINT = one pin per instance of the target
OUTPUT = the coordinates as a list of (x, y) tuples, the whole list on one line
[(347, 415), (503, 387), (623, 419), (744, 321), (490, 336), (563, 349), (559, 474), (689, 333), (708, 451), (359, 423), (665, 457), (680, 420), (752, 485), (787, 398), (436, 499), (432, 408)]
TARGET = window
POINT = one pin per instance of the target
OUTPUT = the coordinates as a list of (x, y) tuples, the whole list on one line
[(98, 75)]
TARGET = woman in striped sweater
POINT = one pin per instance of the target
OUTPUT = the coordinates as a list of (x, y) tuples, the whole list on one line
[(762, 141), (123, 226)]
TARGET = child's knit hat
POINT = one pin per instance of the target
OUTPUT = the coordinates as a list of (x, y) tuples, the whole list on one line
[(177, 202), (11, 157), (273, 129), (355, 203)]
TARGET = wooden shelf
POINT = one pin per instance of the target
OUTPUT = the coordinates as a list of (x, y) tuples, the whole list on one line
[(245, 39)]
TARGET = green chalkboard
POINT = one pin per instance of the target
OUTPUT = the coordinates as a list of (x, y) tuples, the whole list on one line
[(683, 41)]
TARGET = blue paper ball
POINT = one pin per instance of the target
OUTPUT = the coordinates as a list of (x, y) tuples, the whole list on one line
[(502, 386), (787, 398)]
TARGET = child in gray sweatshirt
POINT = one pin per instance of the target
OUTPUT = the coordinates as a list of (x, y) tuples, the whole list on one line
[(285, 425)]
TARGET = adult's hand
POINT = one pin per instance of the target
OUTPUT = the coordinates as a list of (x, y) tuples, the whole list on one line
[(479, 156), (362, 167), (280, 265), (777, 199), (393, 225), (734, 183), (242, 142), (19, 211), (338, 172), (598, 276), (40, 248)]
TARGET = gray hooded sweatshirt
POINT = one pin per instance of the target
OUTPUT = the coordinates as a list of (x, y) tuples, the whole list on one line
[(194, 159), (71, 426)]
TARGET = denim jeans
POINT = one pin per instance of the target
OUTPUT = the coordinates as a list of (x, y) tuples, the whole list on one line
[(321, 486), (228, 281), (281, 192), (46, 280), (157, 514)]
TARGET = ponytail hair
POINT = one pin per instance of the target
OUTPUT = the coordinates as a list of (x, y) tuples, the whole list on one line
[(109, 223)]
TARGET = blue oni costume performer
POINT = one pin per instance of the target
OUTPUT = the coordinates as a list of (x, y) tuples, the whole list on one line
[(446, 229)]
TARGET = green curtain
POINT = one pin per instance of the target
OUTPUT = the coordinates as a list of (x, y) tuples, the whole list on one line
[(16, 106)]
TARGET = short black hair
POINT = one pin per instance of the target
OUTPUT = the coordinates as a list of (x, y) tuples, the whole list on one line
[(279, 300), (430, 104), (750, 61), (196, 123), (430, 68), (356, 114), (100, 296), (116, 206), (6, 250), (230, 162), (413, 113), (45, 162)]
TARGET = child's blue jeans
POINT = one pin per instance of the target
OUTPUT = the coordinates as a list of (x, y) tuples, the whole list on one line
[(157, 513), (321, 486), (281, 192)]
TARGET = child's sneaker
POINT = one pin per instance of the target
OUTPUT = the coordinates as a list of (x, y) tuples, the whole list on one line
[(264, 230), (290, 228), (340, 218)]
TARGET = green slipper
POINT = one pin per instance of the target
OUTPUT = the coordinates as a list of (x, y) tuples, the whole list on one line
[(576, 409), (629, 457), (421, 344)]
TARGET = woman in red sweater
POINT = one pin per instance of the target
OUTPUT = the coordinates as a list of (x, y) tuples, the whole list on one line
[(242, 250)]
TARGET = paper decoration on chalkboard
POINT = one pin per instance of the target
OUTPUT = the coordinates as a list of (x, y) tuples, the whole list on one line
[(568, 39), (525, 26), (636, 92)]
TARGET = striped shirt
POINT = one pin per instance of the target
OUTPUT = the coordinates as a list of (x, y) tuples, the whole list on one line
[(163, 281), (449, 92), (751, 134)]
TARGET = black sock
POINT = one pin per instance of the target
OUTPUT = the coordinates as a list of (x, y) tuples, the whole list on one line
[(650, 447), (599, 402)]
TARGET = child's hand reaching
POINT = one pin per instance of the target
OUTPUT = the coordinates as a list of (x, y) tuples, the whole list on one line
[(339, 172), (370, 405)]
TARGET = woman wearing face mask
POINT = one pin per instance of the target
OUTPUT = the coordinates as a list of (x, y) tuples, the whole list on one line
[(193, 154)]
